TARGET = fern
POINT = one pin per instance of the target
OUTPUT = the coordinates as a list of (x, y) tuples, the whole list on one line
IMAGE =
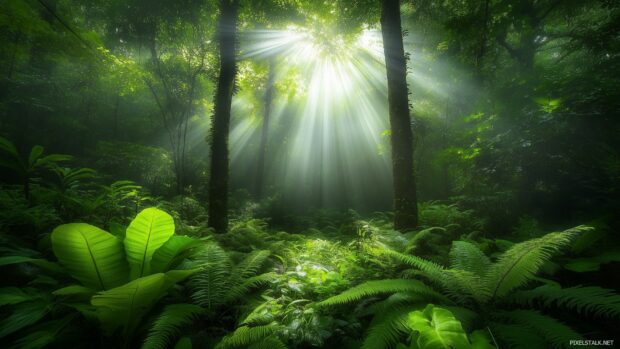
[(387, 329), (464, 285), (467, 256), (251, 264), (245, 335), (392, 302), (523, 260), (169, 323), (591, 300), (433, 270), (550, 329), (240, 290), (211, 283), (379, 287)]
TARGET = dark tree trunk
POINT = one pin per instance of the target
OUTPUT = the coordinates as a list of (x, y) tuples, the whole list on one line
[(405, 202), (262, 150), (479, 75), (218, 182)]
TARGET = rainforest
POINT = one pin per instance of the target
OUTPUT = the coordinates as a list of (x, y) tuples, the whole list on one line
[(273, 174)]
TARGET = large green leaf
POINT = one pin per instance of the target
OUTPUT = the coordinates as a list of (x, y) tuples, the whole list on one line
[(125, 306), (147, 232), (437, 328), (172, 252), (92, 256)]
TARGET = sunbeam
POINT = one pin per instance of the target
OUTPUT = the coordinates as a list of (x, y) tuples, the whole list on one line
[(337, 120)]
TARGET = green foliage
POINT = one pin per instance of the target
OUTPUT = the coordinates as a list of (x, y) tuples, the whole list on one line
[(97, 259), (169, 323), (437, 328), (24, 314), (146, 233), (94, 257), (27, 167), (586, 300), (380, 287), (245, 336), (219, 282), (485, 287), (124, 306), (522, 261)]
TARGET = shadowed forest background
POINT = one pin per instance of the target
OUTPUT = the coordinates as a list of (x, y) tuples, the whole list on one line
[(309, 174)]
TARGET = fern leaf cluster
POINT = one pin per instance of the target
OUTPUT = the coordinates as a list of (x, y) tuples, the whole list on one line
[(169, 323), (591, 301), (219, 282), (381, 287)]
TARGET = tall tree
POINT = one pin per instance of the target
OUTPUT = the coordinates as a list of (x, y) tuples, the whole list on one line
[(218, 181), (405, 201), (262, 151)]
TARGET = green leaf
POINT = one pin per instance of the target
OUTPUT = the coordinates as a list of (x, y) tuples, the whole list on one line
[(92, 256), (437, 329), (35, 153), (147, 232), (8, 147), (481, 339), (23, 315), (14, 295), (74, 290), (41, 263), (172, 252), (125, 306)]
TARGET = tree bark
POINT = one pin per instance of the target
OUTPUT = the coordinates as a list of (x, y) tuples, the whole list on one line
[(260, 167), (405, 201), (218, 182)]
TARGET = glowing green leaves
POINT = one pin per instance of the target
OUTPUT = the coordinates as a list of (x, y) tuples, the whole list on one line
[(97, 259), (437, 328), (147, 232), (91, 255), (124, 306)]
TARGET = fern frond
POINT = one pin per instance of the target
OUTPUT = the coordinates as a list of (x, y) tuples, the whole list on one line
[(169, 323), (591, 301), (240, 290), (554, 332), (210, 284), (522, 261), (433, 270), (464, 286), (467, 256), (395, 301), (245, 335), (387, 329), (379, 287), (249, 266)]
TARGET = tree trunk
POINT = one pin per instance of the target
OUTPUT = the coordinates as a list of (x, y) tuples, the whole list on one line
[(262, 150), (218, 183), (405, 202)]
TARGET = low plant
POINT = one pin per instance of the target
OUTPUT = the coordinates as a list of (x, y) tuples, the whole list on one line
[(492, 296)]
